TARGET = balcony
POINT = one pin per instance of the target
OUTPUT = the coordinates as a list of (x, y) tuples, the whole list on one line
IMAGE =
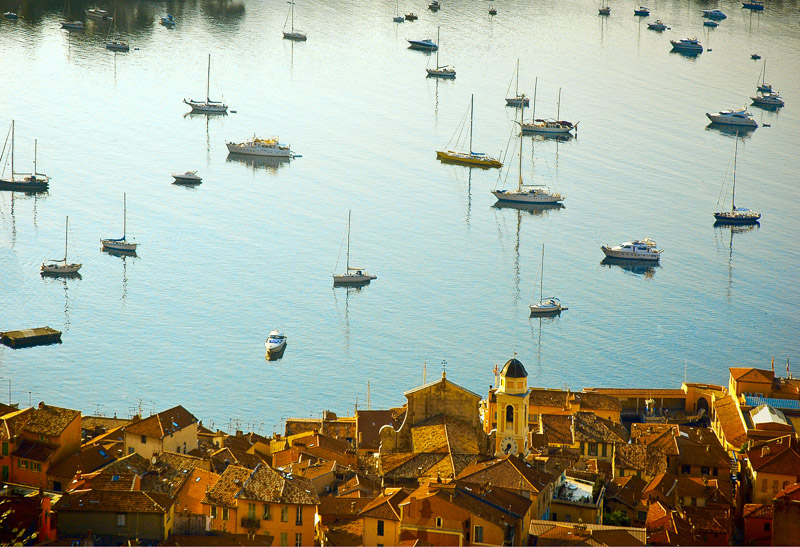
[(251, 522)]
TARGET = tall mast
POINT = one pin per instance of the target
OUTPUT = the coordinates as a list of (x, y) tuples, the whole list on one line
[(471, 110), (521, 110), (124, 215), (541, 276), (208, 79), (438, 45), (535, 82), (66, 240), (12, 149), (35, 146), (733, 192), (292, 10), (558, 108), (516, 85), (349, 212)]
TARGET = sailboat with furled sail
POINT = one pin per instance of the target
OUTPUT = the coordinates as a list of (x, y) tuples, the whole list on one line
[(440, 71), (118, 44), (24, 182), (293, 34), (352, 275), (548, 126), (208, 106), (518, 99), (122, 243), (737, 215), (471, 158), (547, 305), (61, 267)]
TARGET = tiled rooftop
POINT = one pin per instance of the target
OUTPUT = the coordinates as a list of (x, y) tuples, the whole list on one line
[(49, 420), (162, 424)]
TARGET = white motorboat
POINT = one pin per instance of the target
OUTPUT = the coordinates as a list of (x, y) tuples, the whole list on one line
[(293, 34), (168, 21), (768, 99), (733, 117), (208, 106), (261, 147), (737, 215), (527, 193), (547, 126), (24, 182), (352, 275), (61, 267), (275, 343), (72, 25), (122, 243), (644, 249), (714, 14), (98, 14), (440, 71), (187, 177), (657, 25), (687, 45), (517, 99), (549, 305)]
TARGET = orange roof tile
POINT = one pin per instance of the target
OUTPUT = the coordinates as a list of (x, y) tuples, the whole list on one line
[(121, 501), (730, 421), (162, 424), (750, 374), (780, 456), (50, 420)]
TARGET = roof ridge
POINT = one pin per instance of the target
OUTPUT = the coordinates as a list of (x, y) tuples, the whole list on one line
[(147, 495)]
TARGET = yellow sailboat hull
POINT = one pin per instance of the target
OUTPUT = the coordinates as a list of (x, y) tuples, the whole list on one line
[(466, 158)]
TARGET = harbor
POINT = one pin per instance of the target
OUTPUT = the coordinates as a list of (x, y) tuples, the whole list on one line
[(221, 264)]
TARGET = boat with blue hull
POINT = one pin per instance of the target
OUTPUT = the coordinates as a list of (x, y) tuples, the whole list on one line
[(423, 45)]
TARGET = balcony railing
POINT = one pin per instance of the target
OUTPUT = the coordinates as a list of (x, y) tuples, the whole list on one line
[(250, 521)]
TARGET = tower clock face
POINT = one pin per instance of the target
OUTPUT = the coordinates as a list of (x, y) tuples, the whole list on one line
[(508, 446)]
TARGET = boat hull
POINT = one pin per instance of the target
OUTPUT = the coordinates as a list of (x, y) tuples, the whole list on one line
[(179, 179), (246, 150), (441, 73), (13, 185), (627, 255), (352, 279), (56, 270), (72, 25), (547, 128), (732, 218), (207, 108), (730, 120), (111, 245), (545, 310), (422, 46), (296, 36), (472, 160), (118, 46), (526, 197)]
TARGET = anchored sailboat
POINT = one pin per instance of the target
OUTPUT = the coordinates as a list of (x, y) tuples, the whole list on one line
[(352, 275), (473, 159), (549, 305), (61, 267), (441, 71), (26, 182), (293, 34), (121, 244), (208, 106), (518, 99), (737, 215), (548, 126), (116, 45)]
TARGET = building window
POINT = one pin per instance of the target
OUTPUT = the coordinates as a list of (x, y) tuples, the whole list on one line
[(704, 470), (5, 448), (438, 522), (298, 540), (567, 518), (785, 484), (478, 534), (251, 510), (555, 516), (285, 513), (767, 526), (284, 539), (775, 487), (120, 519), (509, 414), (686, 469), (604, 450), (213, 511), (593, 449), (380, 527), (298, 519), (130, 450), (764, 485), (714, 471), (144, 439), (694, 502), (224, 513), (22, 464), (641, 516), (267, 512)]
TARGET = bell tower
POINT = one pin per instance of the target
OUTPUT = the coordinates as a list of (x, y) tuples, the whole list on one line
[(512, 410)]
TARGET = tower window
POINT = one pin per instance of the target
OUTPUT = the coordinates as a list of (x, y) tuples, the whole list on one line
[(510, 414)]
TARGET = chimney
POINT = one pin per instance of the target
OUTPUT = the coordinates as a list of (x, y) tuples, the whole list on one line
[(764, 451), (41, 404)]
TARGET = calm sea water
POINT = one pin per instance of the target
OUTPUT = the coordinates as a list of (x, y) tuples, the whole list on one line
[(253, 247)]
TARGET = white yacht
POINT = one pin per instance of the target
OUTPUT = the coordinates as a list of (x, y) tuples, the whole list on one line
[(61, 267), (261, 147), (644, 249), (188, 177), (275, 343), (768, 99), (658, 25), (352, 275), (687, 45), (733, 117), (122, 243)]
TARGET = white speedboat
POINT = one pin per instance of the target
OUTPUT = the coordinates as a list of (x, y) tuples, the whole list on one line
[(687, 45), (275, 343), (208, 106), (714, 14), (352, 275), (261, 147), (122, 243), (733, 117), (644, 249), (188, 177), (768, 99), (61, 267)]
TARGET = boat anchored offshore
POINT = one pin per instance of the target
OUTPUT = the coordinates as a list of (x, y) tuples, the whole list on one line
[(121, 244), (261, 147), (710, 23), (446, 71), (763, 86), (552, 127), (733, 117), (168, 21), (737, 215), (116, 45), (425, 45), (549, 305), (755, 5), (604, 9), (641, 11), (714, 14), (658, 25), (644, 249), (526, 193), (472, 159), (275, 344), (187, 177), (518, 99), (25, 182), (98, 14), (293, 34), (208, 106), (689, 46), (352, 275), (61, 267), (768, 99)]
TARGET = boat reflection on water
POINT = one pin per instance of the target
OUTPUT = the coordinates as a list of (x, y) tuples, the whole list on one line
[(273, 355), (767, 107), (270, 163), (560, 137), (731, 130), (116, 252), (637, 267), (535, 209), (736, 228), (192, 114)]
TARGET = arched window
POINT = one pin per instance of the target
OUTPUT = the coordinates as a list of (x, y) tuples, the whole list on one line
[(509, 414)]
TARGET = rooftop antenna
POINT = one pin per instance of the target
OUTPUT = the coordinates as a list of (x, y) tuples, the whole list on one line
[(684, 370), (444, 368), (424, 371), (369, 405)]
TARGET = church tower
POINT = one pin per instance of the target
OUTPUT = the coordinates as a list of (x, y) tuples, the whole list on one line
[(512, 410)]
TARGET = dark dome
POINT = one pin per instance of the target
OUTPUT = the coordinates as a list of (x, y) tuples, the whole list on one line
[(514, 369)]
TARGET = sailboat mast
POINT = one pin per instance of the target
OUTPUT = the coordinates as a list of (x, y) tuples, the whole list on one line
[(124, 215), (471, 111), (35, 153), (558, 108), (66, 240), (438, 45), (292, 10), (349, 213), (535, 82), (208, 79), (733, 191), (541, 276), (12, 149), (521, 111), (516, 85)]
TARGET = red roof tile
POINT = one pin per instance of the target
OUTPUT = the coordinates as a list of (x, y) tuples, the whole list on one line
[(113, 501), (162, 424), (50, 420), (779, 456)]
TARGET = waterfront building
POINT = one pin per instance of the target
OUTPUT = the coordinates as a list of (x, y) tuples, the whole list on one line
[(174, 429), (773, 466)]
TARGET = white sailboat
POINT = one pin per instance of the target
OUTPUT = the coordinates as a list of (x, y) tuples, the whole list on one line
[(352, 275), (70, 25), (440, 71), (552, 127), (547, 305), (737, 215), (397, 17), (121, 244), (763, 86), (208, 106), (518, 99), (293, 34), (25, 182), (61, 267), (527, 193), (115, 45)]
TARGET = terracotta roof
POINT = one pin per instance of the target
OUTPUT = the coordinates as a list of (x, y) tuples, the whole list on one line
[(38, 452), (606, 535), (11, 423), (168, 471), (650, 460), (700, 446), (633, 392), (194, 488), (268, 485), (779, 456), (789, 494), (50, 420), (757, 511), (557, 429), (490, 503), (442, 382), (591, 428), (335, 509), (87, 460), (162, 424), (113, 501), (667, 527), (547, 397), (226, 456), (349, 533), (663, 483), (110, 481), (627, 490), (509, 472), (132, 463), (597, 401), (358, 482), (369, 423), (749, 374), (386, 506), (730, 421), (227, 486)]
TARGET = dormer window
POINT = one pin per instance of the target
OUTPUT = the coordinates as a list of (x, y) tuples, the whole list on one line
[(438, 522), (144, 439)]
